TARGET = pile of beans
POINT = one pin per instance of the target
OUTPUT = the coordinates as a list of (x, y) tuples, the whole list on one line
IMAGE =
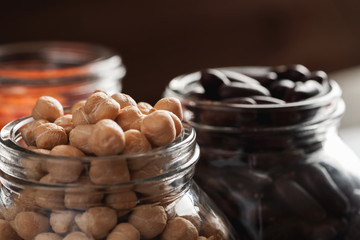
[(272, 182), (220, 91), (278, 85), (100, 126)]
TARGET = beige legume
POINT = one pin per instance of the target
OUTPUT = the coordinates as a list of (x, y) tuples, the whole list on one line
[(47, 108), (149, 220)]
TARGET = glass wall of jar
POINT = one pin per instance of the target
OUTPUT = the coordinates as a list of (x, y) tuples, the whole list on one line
[(131, 196), (67, 71), (278, 171)]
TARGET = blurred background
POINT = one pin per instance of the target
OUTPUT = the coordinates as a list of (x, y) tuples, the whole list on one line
[(159, 40)]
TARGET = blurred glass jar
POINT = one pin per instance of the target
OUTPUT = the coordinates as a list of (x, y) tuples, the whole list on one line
[(67, 71), (276, 171), (152, 191)]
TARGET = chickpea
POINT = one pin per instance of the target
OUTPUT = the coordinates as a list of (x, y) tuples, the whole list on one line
[(27, 133), (33, 168), (60, 221), (62, 170), (107, 138), (79, 117), (42, 163), (79, 137), (145, 108), (47, 108), (122, 200), (170, 104), (77, 236), (29, 224), (149, 220), (129, 117), (65, 122), (82, 198), (213, 227), (177, 123), (49, 198), (152, 169), (179, 228), (23, 202), (77, 105), (39, 150), (97, 221), (159, 128), (124, 231), (48, 236), (7, 232), (101, 106), (108, 171), (193, 218), (49, 135), (66, 150), (136, 142), (123, 99)]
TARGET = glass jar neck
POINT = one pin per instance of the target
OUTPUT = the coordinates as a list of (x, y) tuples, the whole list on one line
[(163, 174), (56, 63), (267, 147)]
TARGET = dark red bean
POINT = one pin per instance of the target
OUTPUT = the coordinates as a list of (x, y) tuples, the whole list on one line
[(211, 80), (330, 228), (293, 196), (323, 232), (239, 100), (238, 89), (353, 232), (346, 184), (196, 95), (269, 160), (279, 89), (267, 100), (239, 77), (315, 179), (289, 229), (266, 79), (257, 178), (295, 72), (303, 90), (319, 76), (263, 75), (263, 212)]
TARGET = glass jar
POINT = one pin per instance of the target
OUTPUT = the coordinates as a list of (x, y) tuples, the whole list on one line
[(276, 171), (152, 191), (67, 71)]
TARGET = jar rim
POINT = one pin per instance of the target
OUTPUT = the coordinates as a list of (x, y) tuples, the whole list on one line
[(229, 117), (177, 85), (86, 58)]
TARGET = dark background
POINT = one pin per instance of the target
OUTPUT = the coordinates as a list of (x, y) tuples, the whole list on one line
[(159, 40)]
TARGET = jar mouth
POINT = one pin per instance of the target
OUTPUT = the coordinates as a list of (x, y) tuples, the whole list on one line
[(37, 62), (180, 86), (308, 111), (183, 154)]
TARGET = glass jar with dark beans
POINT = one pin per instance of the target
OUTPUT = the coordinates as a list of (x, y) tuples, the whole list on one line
[(270, 154)]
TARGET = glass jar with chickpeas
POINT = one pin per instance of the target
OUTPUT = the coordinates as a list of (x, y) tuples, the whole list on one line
[(107, 168), (271, 158)]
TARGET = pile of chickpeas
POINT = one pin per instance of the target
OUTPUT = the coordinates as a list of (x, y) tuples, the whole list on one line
[(102, 125)]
